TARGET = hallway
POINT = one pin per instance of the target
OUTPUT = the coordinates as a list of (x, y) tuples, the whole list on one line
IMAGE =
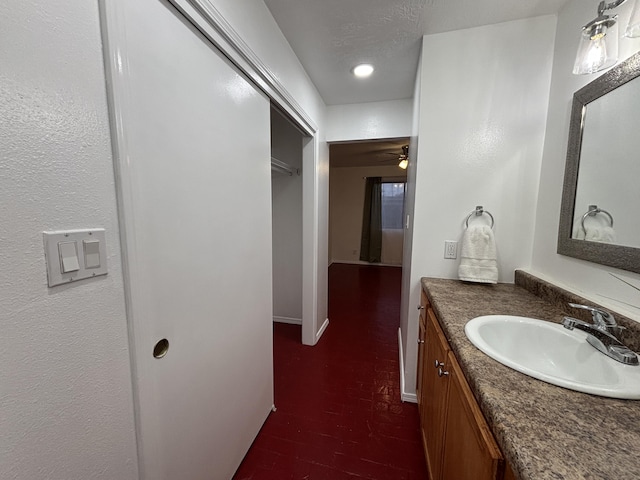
[(339, 414)]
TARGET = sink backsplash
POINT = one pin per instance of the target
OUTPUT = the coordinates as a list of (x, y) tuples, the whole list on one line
[(561, 297)]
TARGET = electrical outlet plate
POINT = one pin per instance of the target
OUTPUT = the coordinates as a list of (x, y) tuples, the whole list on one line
[(450, 249)]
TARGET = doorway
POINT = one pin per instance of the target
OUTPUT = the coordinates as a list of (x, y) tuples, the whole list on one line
[(353, 166), (287, 205)]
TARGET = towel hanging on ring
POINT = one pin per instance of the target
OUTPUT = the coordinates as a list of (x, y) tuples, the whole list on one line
[(478, 257)]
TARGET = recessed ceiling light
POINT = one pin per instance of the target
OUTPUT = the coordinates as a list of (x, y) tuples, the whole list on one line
[(363, 70)]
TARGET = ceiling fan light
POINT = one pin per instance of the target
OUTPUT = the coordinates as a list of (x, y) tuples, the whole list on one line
[(404, 163)]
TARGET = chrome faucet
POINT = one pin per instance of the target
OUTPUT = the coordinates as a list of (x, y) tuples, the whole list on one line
[(603, 334), (602, 319)]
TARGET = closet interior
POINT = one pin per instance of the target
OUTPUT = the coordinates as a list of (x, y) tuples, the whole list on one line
[(286, 194)]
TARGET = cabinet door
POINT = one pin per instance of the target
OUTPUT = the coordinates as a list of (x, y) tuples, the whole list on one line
[(435, 389), (470, 451), (421, 365), (424, 304)]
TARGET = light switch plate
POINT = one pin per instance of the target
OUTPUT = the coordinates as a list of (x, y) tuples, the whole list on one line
[(55, 276)]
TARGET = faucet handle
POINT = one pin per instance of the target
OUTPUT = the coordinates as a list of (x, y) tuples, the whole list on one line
[(600, 317)]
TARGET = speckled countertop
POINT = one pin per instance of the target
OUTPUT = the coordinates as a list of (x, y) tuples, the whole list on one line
[(544, 431)]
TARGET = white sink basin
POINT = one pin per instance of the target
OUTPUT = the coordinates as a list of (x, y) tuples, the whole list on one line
[(549, 352)]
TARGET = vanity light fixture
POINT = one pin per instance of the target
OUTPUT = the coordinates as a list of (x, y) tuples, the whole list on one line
[(633, 28), (598, 48), (363, 70)]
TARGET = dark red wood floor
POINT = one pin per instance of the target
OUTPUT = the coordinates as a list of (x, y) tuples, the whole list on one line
[(339, 413)]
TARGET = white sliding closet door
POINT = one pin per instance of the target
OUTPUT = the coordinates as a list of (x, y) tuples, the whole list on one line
[(194, 168)]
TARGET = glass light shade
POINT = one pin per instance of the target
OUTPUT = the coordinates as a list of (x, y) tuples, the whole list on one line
[(403, 164), (633, 28), (598, 48), (363, 70)]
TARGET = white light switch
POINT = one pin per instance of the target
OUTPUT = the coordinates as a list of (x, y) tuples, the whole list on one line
[(68, 252), (74, 255), (91, 253)]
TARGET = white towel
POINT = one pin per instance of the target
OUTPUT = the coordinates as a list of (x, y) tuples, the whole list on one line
[(578, 232), (600, 234), (478, 260)]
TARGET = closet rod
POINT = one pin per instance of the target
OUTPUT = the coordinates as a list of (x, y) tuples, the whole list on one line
[(283, 167)]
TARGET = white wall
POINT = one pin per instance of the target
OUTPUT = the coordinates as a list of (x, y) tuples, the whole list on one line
[(65, 383), (255, 24), (406, 312), (586, 278), (369, 121), (346, 202), (286, 194), (482, 122), (319, 244)]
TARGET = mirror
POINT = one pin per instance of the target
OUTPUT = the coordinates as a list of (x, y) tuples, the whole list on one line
[(599, 217)]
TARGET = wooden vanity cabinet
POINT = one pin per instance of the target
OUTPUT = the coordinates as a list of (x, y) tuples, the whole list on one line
[(457, 440)]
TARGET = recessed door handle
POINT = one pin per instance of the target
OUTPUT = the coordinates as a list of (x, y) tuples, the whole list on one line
[(161, 348)]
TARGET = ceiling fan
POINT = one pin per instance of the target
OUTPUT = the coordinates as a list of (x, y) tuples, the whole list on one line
[(403, 158)]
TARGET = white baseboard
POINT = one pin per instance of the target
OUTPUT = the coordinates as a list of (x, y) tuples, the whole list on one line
[(291, 321), (322, 329), (406, 397)]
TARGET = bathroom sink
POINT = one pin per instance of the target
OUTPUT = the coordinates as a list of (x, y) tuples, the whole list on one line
[(549, 352)]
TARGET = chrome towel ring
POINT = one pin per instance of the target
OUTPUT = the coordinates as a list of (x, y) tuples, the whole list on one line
[(593, 211), (478, 212)]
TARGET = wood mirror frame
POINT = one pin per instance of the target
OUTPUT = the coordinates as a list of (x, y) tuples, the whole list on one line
[(618, 256)]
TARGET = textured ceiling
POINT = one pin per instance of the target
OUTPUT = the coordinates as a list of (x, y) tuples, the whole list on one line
[(331, 36)]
